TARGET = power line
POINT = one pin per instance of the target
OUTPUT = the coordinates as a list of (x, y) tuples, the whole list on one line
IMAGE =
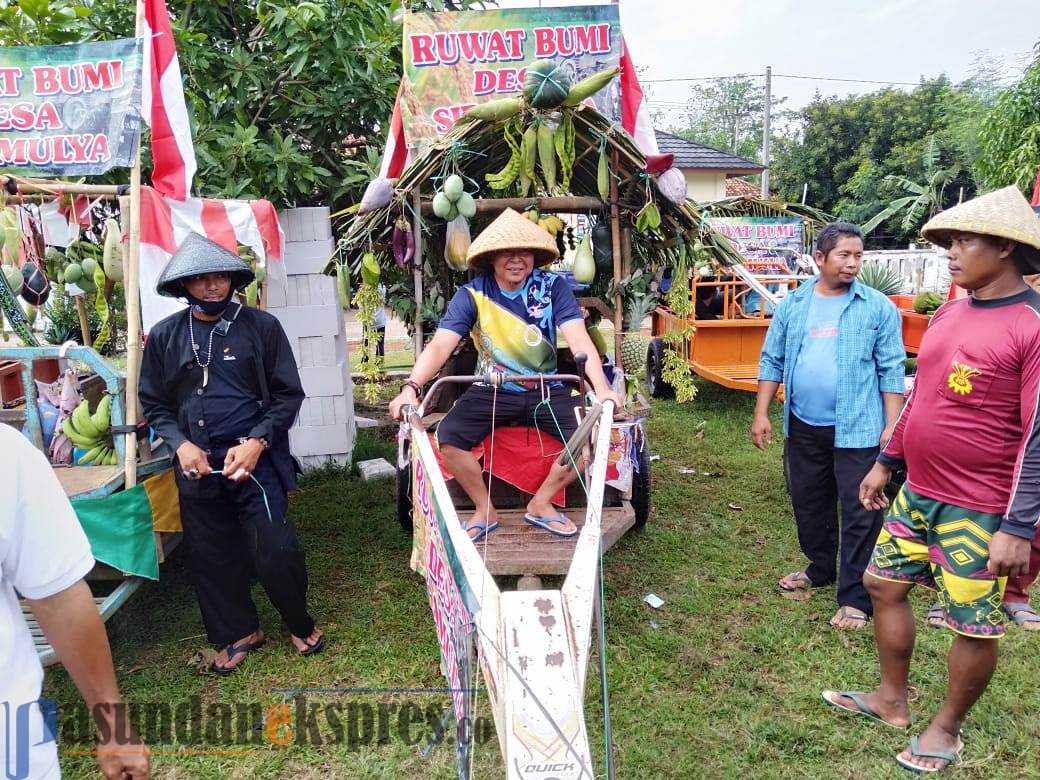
[(781, 76)]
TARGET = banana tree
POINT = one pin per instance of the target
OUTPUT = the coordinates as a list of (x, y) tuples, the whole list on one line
[(922, 199)]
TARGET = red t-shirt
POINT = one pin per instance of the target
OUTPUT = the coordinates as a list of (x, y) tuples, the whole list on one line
[(969, 434)]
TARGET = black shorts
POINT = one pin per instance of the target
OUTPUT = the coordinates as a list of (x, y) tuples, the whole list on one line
[(469, 421)]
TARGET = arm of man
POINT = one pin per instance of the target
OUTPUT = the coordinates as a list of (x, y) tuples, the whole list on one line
[(1010, 546), (890, 360), (72, 625), (285, 397), (770, 375), (155, 392), (578, 340), (459, 318), (47, 559)]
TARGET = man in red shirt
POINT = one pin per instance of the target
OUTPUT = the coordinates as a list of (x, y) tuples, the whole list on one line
[(970, 439)]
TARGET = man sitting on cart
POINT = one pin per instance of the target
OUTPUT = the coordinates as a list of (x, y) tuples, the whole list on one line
[(512, 309)]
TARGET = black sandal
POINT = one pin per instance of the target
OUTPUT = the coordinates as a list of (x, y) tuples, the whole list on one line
[(232, 650)]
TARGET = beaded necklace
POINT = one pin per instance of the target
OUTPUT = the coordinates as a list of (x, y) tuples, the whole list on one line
[(195, 348)]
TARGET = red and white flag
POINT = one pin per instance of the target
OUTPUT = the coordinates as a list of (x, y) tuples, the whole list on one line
[(635, 114), (166, 222), (162, 98), (395, 154), (1036, 191)]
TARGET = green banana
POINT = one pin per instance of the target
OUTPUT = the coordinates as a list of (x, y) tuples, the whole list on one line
[(92, 455), (75, 436), (102, 417), (82, 422)]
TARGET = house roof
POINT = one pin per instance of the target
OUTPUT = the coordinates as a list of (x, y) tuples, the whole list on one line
[(736, 188), (690, 154)]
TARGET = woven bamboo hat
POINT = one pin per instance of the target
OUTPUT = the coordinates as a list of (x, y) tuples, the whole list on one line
[(199, 255), (1003, 213), (510, 230)]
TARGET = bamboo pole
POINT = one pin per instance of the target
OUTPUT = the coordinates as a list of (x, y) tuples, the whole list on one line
[(51, 187), (133, 296), (563, 204), (84, 323), (417, 271), (615, 238)]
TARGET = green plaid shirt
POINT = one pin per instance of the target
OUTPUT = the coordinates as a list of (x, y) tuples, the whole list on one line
[(870, 359)]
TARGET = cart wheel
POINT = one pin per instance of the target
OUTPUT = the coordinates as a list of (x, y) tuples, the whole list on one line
[(654, 366), (404, 493), (641, 486)]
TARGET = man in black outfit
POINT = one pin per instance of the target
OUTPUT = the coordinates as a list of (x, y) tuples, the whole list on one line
[(219, 384)]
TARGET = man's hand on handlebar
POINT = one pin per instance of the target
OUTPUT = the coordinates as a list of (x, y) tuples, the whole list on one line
[(610, 395), (405, 398)]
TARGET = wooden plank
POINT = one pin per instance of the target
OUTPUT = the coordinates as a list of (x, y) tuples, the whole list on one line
[(84, 481), (517, 547)]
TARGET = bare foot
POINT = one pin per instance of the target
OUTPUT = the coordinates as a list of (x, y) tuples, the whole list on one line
[(895, 712), (227, 661), (310, 643), (850, 619), (934, 740), (545, 510)]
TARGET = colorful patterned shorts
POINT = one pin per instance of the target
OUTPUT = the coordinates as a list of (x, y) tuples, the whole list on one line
[(945, 548)]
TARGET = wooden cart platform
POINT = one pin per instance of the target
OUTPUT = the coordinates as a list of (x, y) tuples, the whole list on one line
[(517, 547)]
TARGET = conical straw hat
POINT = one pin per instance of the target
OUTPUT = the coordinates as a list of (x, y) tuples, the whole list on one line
[(1003, 213), (510, 230), (199, 255)]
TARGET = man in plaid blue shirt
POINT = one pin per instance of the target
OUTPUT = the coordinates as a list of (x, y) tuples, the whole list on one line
[(836, 345)]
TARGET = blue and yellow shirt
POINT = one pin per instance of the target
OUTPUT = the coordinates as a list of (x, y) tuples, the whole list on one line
[(514, 332)]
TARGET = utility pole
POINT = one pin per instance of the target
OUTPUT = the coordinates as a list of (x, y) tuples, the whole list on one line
[(765, 131)]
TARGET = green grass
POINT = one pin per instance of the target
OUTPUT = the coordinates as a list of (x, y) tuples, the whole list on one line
[(723, 682), (395, 360)]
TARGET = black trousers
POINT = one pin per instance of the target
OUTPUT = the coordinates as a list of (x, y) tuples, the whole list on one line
[(230, 539), (821, 476)]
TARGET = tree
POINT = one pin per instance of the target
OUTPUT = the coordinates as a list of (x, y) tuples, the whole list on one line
[(289, 100), (727, 114), (1010, 134), (921, 199), (846, 149)]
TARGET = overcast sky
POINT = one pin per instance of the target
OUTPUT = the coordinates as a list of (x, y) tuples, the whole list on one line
[(897, 40)]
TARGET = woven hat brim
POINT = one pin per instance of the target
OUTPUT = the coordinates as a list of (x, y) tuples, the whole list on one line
[(1004, 213), (510, 230), (199, 255)]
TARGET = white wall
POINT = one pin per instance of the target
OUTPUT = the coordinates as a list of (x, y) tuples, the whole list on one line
[(705, 185)]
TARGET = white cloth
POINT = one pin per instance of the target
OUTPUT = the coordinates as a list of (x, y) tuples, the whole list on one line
[(43, 551)]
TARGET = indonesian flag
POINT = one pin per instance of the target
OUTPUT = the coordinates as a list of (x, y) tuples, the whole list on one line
[(166, 222), (635, 119), (635, 114), (162, 98), (1035, 202)]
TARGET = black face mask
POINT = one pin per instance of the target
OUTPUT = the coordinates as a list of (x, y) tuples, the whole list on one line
[(209, 308)]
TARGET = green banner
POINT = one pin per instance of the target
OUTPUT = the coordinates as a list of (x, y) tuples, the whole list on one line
[(768, 244), (452, 61), (69, 110)]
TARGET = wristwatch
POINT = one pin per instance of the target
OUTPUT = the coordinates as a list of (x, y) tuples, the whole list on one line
[(415, 387), (263, 442)]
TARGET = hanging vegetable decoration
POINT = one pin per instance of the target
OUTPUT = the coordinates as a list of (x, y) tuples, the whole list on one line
[(546, 84), (603, 247), (403, 242), (456, 243), (378, 194), (36, 287), (589, 86), (368, 300), (112, 257), (584, 263), (10, 235), (453, 200), (672, 184)]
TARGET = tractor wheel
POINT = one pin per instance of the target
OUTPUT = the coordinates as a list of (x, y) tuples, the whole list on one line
[(654, 368)]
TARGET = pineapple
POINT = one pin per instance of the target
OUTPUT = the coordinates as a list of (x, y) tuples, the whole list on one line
[(634, 344)]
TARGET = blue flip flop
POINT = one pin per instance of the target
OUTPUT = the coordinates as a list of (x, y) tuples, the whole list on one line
[(544, 522), (485, 529), (862, 708), (949, 756)]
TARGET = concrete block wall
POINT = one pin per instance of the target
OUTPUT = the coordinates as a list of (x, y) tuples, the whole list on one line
[(306, 304)]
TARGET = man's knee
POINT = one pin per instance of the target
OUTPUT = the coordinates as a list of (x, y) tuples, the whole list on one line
[(884, 591)]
